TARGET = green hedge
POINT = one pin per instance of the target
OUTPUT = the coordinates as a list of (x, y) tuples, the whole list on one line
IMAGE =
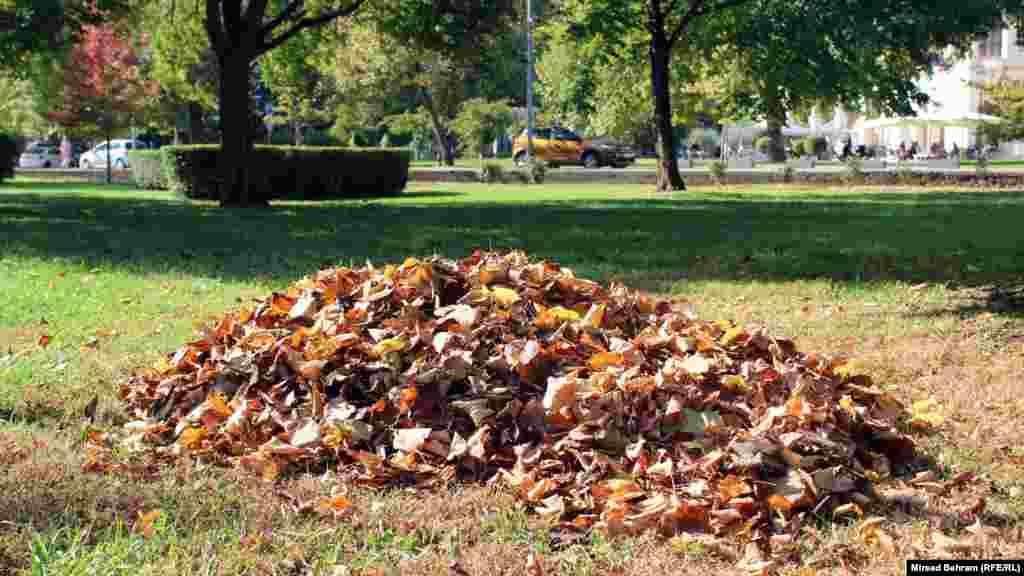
[(290, 172), (8, 155), (816, 146), (762, 144), (147, 171)]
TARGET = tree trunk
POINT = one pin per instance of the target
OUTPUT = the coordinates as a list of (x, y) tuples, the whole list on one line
[(440, 132), (195, 123), (668, 168), (107, 130), (776, 119), (236, 136)]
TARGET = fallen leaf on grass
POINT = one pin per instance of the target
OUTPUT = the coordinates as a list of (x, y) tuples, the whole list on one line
[(924, 414), (336, 507), (872, 534), (535, 565), (145, 523)]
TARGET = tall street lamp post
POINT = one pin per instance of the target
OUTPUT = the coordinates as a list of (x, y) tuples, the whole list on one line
[(529, 81)]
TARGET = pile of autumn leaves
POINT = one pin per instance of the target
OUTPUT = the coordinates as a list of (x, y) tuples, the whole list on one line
[(597, 405)]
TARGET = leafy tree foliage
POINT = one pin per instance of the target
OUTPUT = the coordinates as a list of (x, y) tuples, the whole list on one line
[(452, 35), (815, 52), (182, 62), (1004, 98), (102, 87), (304, 94), (479, 122), (47, 28), (18, 113)]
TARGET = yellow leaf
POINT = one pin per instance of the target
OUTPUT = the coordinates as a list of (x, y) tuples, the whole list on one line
[(505, 296), (595, 316), (389, 345), (217, 403), (844, 371), (192, 438), (846, 403), (564, 314), (736, 383), (851, 508), (730, 336), (924, 414), (554, 317), (163, 366)]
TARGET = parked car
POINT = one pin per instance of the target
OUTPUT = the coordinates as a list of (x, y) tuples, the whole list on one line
[(560, 146), (39, 156), (117, 155)]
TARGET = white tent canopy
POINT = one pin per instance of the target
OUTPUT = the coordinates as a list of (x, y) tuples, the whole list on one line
[(790, 129), (962, 119)]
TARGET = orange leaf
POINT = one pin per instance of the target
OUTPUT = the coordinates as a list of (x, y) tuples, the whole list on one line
[(776, 502), (145, 523), (406, 400), (730, 487), (337, 506), (281, 304), (599, 361), (217, 403), (192, 438)]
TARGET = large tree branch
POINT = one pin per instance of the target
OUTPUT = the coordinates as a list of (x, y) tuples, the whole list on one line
[(695, 9), (213, 25), (254, 13), (672, 7), (306, 22), (699, 8), (231, 13), (289, 11)]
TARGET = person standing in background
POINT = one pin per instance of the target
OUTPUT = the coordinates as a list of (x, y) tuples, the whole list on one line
[(65, 152)]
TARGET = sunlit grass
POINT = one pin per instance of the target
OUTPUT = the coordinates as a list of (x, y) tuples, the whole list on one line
[(115, 277)]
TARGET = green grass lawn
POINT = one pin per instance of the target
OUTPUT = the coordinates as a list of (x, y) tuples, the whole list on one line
[(115, 277)]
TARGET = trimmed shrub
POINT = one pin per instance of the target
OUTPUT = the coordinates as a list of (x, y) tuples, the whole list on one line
[(492, 172), (762, 144), (537, 170), (8, 155), (816, 147), (717, 169), (320, 138), (147, 169), (854, 170), (291, 172)]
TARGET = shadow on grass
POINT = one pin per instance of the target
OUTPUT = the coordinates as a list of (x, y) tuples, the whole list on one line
[(950, 237)]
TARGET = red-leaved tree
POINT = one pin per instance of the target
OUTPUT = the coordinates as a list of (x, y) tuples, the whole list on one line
[(102, 86)]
